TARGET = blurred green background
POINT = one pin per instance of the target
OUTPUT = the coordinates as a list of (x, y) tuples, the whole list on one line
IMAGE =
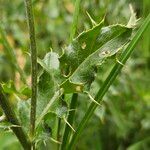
[(123, 122)]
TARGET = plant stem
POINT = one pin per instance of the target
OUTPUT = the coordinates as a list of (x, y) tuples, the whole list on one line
[(108, 82), (58, 132), (74, 96), (11, 117), (59, 122), (75, 19), (33, 65), (70, 119)]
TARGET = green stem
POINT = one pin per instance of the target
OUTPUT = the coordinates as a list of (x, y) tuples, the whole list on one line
[(73, 104), (11, 117), (108, 82), (58, 132), (59, 122), (70, 119), (33, 65)]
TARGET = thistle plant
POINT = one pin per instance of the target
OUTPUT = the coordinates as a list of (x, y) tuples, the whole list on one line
[(46, 116)]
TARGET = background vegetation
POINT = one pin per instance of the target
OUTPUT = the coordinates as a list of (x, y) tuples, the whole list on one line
[(123, 121)]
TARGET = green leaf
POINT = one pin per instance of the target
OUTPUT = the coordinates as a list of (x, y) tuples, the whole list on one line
[(109, 81), (88, 42), (81, 47), (24, 113), (51, 60), (106, 42), (133, 20), (24, 92), (9, 87), (48, 82), (46, 89), (85, 71), (47, 128), (51, 65), (46, 109), (50, 119), (75, 19)]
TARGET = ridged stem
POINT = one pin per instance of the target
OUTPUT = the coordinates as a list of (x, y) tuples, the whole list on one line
[(30, 19), (11, 117)]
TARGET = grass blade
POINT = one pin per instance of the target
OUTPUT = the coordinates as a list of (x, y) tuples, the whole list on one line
[(70, 119), (108, 82), (11, 54), (74, 96)]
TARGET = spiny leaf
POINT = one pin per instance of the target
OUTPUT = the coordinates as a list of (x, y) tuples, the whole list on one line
[(81, 47), (75, 19), (9, 87), (91, 19), (133, 20), (102, 43), (86, 70), (109, 80), (88, 42), (24, 92)]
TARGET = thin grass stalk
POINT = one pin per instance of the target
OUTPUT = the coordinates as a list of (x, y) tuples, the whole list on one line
[(59, 122), (11, 117), (58, 132), (109, 80), (70, 119), (146, 42), (30, 19)]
